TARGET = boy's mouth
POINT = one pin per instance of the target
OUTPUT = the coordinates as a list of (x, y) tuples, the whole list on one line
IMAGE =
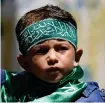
[(54, 74), (53, 70)]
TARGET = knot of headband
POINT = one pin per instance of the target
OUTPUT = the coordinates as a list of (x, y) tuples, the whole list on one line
[(44, 30)]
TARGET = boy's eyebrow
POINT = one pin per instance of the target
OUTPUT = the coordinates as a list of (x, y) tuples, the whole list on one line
[(45, 45), (39, 46), (60, 41)]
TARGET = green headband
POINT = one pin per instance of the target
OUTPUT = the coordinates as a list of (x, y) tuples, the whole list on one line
[(44, 30)]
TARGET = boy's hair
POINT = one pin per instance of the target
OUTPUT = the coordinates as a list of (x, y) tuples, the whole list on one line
[(48, 11)]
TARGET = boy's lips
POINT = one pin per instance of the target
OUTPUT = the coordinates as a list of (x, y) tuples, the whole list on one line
[(53, 69)]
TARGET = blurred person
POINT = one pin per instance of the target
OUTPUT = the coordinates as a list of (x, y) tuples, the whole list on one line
[(47, 39)]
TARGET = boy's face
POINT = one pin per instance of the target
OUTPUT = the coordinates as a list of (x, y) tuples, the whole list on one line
[(51, 60)]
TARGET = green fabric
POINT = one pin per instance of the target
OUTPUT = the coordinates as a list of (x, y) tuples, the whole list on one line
[(46, 29), (28, 88), (68, 93)]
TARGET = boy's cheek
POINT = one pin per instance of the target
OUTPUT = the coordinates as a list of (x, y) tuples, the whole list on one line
[(67, 63), (39, 64)]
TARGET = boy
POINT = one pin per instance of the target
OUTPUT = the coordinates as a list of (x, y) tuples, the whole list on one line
[(47, 40)]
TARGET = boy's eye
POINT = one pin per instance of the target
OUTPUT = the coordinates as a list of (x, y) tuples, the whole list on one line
[(61, 48), (41, 51)]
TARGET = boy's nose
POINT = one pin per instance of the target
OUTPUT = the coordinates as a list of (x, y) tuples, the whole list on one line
[(52, 57)]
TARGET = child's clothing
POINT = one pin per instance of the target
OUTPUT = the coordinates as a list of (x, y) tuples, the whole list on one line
[(25, 87)]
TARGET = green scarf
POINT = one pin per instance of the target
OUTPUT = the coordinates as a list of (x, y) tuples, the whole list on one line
[(69, 89)]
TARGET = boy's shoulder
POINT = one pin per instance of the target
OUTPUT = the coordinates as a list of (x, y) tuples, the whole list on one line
[(92, 93)]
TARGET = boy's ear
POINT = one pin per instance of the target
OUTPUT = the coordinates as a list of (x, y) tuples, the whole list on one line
[(78, 55), (23, 62)]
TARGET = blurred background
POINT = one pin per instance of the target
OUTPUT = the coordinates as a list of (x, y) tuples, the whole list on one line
[(90, 17)]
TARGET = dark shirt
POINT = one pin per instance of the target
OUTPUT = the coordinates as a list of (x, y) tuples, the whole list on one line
[(92, 92)]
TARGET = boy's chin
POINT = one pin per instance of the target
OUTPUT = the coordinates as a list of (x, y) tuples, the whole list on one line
[(54, 80)]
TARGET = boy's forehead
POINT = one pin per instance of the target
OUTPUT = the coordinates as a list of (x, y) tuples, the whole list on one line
[(52, 43)]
